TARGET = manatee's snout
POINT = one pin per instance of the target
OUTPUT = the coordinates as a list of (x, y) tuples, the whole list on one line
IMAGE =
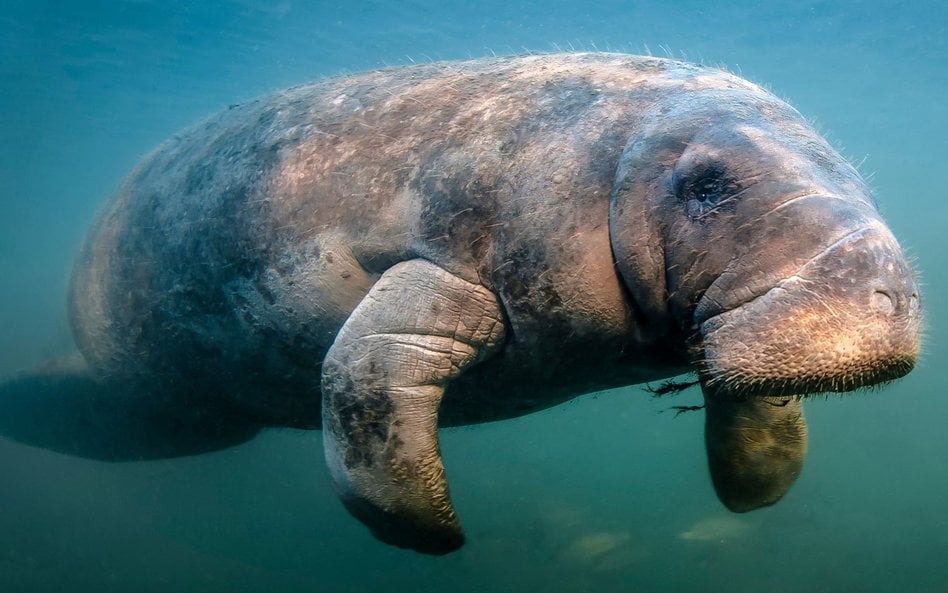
[(848, 318), (894, 288), (870, 265)]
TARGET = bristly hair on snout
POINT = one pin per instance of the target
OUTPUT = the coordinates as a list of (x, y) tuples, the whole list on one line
[(738, 384)]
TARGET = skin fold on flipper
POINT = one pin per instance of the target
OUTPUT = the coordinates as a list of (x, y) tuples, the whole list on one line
[(383, 380)]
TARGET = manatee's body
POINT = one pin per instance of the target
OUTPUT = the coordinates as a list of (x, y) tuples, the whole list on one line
[(507, 233), (234, 253)]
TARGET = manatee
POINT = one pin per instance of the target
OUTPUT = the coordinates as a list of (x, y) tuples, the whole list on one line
[(381, 254)]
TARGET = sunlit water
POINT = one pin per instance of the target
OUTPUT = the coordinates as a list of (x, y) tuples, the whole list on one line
[(602, 494)]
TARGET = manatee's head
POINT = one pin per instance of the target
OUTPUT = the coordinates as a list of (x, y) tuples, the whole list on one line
[(764, 247), (739, 229)]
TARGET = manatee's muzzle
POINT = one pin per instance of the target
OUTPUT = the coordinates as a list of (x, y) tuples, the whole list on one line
[(849, 318)]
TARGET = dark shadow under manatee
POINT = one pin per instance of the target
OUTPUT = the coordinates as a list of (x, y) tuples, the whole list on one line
[(65, 410)]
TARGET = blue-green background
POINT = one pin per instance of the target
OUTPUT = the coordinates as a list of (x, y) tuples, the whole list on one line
[(597, 495)]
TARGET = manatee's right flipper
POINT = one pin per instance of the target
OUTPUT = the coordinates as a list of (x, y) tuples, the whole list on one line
[(418, 328), (755, 449), (60, 407)]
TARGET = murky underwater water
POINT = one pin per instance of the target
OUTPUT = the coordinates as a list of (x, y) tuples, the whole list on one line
[(606, 493)]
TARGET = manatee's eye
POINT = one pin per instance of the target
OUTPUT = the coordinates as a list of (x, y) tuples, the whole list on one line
[(705, 187)]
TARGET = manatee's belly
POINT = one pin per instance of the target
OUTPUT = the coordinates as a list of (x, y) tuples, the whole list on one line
[(256, 339), (517, 381)]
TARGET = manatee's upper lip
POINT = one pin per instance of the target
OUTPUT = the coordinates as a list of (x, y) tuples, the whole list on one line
[(707, 312)]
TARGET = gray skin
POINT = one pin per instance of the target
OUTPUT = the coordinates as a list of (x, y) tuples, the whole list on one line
[(454, 243)]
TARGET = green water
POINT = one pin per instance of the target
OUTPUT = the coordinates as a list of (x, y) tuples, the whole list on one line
[(605, 493)]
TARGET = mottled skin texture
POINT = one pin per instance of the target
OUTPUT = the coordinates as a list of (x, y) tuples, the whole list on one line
[(462, 242)]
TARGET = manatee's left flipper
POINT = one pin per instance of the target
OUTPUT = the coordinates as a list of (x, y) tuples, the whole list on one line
[(418, 328), (755, 449)]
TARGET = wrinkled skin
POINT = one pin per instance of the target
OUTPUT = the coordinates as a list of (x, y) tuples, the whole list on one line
[(464, 242)]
